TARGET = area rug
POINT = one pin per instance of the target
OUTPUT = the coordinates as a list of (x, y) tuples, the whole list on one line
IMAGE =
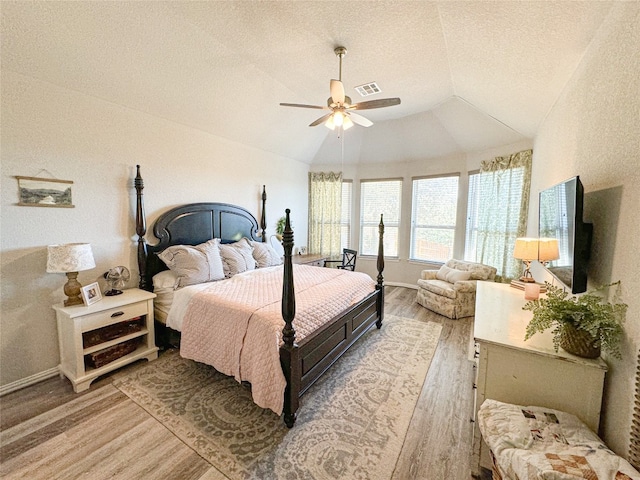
[(351, 424)]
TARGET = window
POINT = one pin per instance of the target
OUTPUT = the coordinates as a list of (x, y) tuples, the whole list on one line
[(345, 215), (497, 211), (380, 197), (433, 218), (473, 203)]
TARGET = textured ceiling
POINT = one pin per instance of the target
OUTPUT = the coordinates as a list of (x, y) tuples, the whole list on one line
[(471, 75)]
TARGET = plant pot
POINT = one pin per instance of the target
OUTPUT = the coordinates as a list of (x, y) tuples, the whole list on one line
[(579, 342)]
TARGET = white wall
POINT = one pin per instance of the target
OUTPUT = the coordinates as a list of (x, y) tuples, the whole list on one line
[(402, 271), (594, 131), (52, 131)]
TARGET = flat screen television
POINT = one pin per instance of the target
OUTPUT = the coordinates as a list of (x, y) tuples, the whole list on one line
[(561, 218)]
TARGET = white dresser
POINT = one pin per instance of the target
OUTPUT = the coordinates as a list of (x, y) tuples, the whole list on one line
[(527, 373)]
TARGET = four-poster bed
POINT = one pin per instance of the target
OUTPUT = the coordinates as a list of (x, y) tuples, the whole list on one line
[(303, 360)]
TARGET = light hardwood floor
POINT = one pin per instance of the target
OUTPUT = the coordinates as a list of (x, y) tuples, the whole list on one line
[(49, 432)]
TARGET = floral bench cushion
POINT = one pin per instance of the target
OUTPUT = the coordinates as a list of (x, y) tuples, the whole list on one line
[(536, 443)]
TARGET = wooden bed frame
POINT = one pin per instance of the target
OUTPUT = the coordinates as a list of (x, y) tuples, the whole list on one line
[(302, 362)]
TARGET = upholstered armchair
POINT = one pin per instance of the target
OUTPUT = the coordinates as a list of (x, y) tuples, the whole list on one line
[(451, 291)]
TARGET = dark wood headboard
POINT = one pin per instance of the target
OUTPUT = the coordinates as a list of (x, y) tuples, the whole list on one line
[(192, 224)]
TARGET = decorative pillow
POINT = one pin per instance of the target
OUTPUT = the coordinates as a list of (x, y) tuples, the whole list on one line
[(265, 255), (237, 257), (452, 275), (165, 279), (458, 276), (192, 265), (443, 272)]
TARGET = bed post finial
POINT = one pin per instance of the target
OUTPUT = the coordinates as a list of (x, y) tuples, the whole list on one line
[(263, 220), (380, 283), (141, 229)]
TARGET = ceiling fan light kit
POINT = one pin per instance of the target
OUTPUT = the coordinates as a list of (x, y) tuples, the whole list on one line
[(342, 115)]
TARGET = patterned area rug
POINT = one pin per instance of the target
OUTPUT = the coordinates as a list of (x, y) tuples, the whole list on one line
[(351, 424)]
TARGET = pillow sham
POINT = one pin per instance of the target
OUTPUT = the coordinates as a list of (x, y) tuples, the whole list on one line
[(237, 257), (265, 255), (192, 265), (165, 279)]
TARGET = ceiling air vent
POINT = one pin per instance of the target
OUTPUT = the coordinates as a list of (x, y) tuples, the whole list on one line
[(368, 89)]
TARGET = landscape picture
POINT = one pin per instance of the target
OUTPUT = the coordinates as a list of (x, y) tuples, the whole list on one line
[(40, 192)]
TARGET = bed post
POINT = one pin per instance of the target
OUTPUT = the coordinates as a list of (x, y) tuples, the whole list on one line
[(380, 284), (141, 229), (289, 353), (263, 219)]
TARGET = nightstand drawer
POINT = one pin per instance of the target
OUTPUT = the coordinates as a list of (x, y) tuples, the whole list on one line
[(114, 315)]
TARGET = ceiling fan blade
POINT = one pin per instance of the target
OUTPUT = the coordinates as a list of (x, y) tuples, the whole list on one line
[(321, 120), (300, 105), (337, 92), (382, 102), (359, 119)]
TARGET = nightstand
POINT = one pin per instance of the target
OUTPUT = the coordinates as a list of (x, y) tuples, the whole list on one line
[(311, 259), (104, 336)]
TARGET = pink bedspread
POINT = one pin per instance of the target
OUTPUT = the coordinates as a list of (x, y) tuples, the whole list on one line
[(235, 325)]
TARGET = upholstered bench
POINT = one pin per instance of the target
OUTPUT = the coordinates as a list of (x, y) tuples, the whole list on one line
[(537, 443)]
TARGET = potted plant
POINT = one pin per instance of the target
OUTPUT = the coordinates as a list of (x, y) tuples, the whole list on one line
[(280, 227), (582, 325)]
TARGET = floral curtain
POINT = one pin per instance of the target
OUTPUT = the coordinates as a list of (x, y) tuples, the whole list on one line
[(325, 206), (504, 186)]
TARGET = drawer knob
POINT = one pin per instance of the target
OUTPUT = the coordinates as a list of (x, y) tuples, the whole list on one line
[(117, 314)]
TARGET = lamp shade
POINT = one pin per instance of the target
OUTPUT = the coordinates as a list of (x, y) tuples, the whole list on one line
[(70, 257), (526, 249), (548, 249)]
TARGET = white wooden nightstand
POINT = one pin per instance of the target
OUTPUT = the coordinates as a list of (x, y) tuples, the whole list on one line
[(89, 335)]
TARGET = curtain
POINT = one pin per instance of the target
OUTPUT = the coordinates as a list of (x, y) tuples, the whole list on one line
[(325, 208), (504, 186)]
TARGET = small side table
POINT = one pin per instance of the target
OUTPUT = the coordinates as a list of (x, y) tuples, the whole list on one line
[(315, 260), (86, 333)]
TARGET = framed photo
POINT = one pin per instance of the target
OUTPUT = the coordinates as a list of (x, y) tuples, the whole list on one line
[(91, 293), (44, 192)]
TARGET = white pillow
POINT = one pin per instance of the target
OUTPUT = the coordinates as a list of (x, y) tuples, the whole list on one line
[(443, 272), (265, 255), (192, 265), (165, 279), (458, 276), (452, 275), (237, 257)]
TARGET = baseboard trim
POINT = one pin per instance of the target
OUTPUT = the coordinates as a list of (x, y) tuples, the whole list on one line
[(398, 284), (28, 381)]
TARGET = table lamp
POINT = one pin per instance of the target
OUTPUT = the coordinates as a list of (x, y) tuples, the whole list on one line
[(70, 258), (526, 249), (548, 250)]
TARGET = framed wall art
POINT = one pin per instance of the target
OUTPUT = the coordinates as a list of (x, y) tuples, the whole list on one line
[(44, 192)]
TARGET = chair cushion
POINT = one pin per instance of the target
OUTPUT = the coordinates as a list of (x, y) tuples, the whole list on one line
[(438, 287)]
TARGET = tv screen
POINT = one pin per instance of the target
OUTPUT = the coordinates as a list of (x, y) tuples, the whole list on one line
[(561, 218)]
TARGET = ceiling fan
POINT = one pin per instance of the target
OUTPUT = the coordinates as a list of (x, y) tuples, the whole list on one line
[(342, 110)]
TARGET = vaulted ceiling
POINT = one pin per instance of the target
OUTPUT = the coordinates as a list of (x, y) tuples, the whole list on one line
[(471, 75)]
